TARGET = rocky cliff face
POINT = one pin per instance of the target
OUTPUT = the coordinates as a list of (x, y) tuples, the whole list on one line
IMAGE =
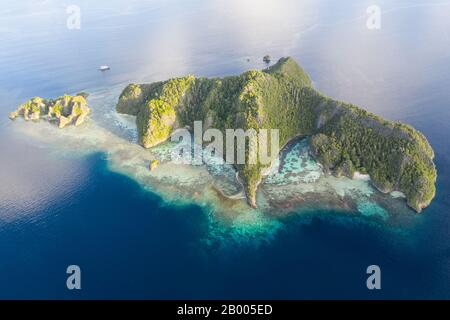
[(343, 137), (63, 111), (154, 107)]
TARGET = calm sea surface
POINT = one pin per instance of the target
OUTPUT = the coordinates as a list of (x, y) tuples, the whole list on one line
[(58, 209)]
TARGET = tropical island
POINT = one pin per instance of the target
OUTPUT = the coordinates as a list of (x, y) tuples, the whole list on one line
[(63, 111), (344, 138)]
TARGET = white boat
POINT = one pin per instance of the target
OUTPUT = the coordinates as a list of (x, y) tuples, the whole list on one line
[(104, 68)]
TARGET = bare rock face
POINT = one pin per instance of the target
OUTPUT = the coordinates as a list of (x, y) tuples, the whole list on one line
[(63, 121), (80, 119), (154, 164), (65, 110), (13, 115)]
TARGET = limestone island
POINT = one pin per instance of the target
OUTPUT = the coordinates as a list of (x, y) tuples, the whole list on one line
[(344, 138), (63, 111)]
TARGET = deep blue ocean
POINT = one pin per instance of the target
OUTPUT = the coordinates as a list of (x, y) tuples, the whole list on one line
[(58, 209)]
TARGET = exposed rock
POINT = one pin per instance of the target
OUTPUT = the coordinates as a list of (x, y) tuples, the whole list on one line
[(66, 109), (154, 164), (80, 119), (13, 115), (63, 121), (35, 115), (345, 168)]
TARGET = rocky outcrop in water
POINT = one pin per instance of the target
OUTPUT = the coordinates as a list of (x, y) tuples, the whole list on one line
[(153, 165), (64, 111)]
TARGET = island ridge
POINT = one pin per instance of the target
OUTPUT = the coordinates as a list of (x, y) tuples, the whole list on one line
[(344, 138)]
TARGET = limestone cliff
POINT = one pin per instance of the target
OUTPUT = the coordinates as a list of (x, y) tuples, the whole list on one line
[(63, 111)]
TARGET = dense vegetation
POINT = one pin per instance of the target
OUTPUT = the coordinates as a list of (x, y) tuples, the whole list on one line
[(343, 137), (396, 156)]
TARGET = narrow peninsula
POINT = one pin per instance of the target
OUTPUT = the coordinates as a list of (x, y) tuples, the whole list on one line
[(344, 138)]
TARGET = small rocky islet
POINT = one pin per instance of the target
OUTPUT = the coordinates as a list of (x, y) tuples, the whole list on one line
[(343, 138), (65, 110)]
